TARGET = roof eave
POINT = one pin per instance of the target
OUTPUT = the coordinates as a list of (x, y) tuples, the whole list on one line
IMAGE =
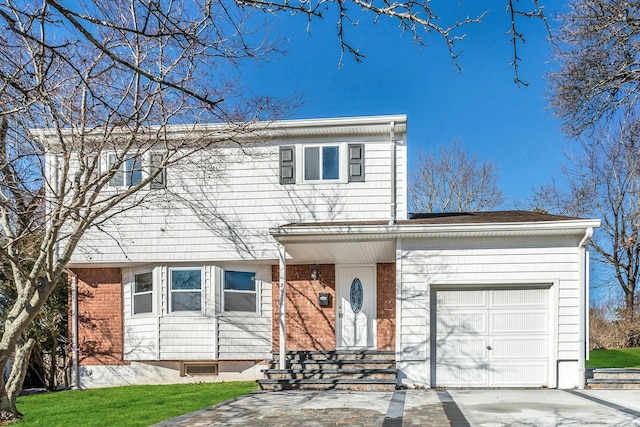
[(288, 234)]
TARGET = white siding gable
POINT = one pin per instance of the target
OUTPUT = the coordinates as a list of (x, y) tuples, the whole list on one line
[(221, 205)]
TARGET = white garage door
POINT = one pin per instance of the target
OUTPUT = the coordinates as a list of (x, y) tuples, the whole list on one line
[(492, 338)]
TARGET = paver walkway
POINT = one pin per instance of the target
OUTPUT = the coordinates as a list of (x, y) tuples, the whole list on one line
[(323, 408), (429, 408)]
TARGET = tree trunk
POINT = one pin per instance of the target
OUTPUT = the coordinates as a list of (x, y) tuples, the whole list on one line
[(9, 392), (629, 300), (53, 363)]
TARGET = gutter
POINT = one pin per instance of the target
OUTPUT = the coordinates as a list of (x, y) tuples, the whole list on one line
[(380, 231), (583, 303)]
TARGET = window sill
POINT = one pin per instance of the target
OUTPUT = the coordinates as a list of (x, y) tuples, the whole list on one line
[(142, 315), (239, 314), (186, 314)]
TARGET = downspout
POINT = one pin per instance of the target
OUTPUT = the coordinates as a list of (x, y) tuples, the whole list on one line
[(583, 304), (56, 179), (282, 312), (74, 330), (393, 179)]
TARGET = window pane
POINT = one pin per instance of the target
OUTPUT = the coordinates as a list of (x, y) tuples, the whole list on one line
[(330, 163), (118, 178), (144, 283), (134, 170), (186, 301), (142, 303), (185, 279), (234, 301), (239, 280), (311, 163)]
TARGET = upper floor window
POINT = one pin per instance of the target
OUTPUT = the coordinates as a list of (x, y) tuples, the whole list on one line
[(185, 286), (129, 173), (321, 163), (341, 163), (240, 293), (136, 167), (143, 293)]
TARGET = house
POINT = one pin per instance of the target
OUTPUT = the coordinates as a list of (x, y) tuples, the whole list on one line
[(316, 215)]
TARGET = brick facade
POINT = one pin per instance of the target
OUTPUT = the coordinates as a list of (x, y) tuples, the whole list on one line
[(386, 306), (100, 316), (311, 327)]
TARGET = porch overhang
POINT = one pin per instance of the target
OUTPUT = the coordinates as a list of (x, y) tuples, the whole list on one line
[(379, 237)]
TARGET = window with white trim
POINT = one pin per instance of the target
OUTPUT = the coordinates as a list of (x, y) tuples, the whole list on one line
[(240, 292), (129, 173), (143, 293), (322, 163), (185, 289)]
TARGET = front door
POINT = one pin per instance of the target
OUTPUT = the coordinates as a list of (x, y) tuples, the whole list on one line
[(356, 307)]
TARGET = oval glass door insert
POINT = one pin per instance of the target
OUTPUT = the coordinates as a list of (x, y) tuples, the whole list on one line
[(355, 295)]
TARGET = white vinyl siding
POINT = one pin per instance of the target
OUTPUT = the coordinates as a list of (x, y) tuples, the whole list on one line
[(224, 212), (549, 261)]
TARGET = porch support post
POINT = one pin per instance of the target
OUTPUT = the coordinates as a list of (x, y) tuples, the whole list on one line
[(282, 323)]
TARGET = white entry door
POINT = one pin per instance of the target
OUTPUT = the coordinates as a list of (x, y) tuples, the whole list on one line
[(356, 307), (492, 338)]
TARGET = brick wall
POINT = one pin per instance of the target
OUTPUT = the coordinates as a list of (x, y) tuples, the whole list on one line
[(386, 306), (100, 312), (309, 326)]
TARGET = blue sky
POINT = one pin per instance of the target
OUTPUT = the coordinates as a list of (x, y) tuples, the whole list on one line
[(501, 122), (481, 106)]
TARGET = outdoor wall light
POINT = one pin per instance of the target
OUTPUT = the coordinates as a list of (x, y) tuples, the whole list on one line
[(314, 272)]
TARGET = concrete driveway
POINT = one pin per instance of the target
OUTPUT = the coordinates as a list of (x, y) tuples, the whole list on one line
[(439, 407)]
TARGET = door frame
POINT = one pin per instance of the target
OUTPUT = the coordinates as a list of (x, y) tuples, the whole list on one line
[(374, 315)]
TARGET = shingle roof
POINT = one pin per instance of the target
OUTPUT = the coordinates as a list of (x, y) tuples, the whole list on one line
[(494, 217)]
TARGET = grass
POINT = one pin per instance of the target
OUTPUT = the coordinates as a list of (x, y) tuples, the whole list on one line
[(124, 406), (614, 358)]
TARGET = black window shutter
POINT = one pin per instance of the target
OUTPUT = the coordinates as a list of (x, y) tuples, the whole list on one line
[(160, 180), (356, 162), (287, 165)]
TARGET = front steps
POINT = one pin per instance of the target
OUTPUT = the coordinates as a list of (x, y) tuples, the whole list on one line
[(615, 378), (332, 370)]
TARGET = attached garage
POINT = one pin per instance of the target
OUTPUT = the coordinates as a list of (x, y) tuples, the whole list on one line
[(490, 337), (482, 299)]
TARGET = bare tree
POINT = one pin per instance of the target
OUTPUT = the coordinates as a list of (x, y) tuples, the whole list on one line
[(453, 182), (603, 180), (598, 52), (418, 18), (86, 98)]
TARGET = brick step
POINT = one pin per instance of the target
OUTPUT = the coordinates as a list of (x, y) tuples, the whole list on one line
[(390, 374), (616, 374), (328, 384), (613, 384), (336, 364), (337, 355)]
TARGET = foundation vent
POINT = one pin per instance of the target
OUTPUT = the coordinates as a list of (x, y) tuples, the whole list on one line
[(198, 368)]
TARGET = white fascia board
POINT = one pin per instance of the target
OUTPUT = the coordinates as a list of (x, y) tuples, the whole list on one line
[(375, 232), (368, 125)]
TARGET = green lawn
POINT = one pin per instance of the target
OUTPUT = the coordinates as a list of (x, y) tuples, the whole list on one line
[(124, 406), (614, 358)]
